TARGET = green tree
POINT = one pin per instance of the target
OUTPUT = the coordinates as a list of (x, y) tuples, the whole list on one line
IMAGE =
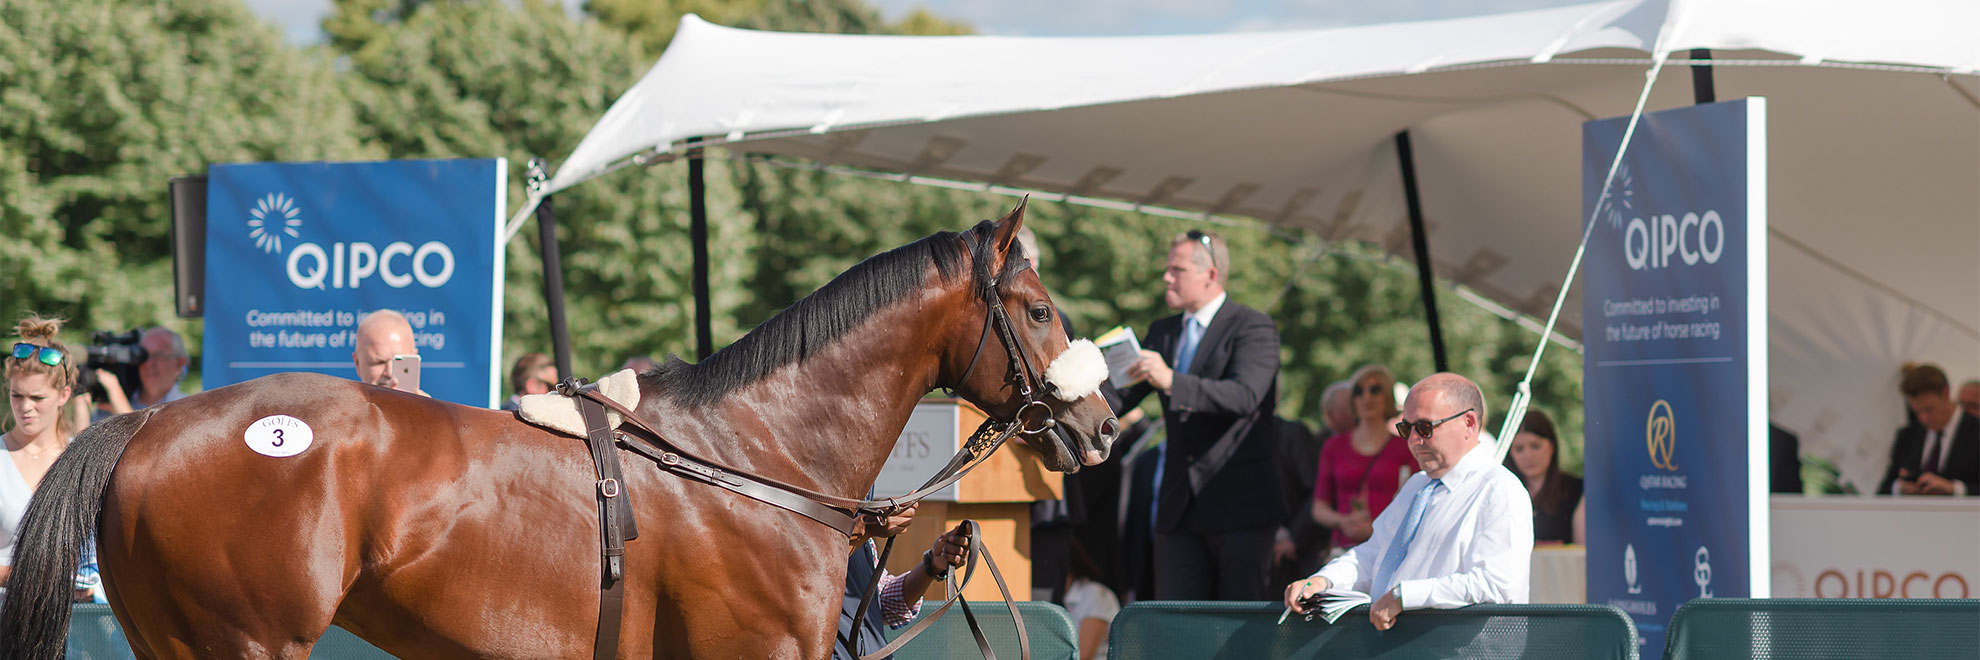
[(106, 100), (485, 79)]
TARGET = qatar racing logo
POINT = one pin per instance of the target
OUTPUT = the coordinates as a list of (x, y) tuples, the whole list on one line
[(1660, 434)]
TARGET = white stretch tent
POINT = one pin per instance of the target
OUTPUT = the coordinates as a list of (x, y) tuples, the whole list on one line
[(1874, 136)]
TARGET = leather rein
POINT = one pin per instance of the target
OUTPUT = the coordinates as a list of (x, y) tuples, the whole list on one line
[(842, 514)]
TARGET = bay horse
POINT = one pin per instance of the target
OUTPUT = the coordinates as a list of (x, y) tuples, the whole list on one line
[(436, 530)]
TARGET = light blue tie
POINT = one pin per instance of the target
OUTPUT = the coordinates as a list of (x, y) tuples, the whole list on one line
[(1186, 352), (1399, 546)]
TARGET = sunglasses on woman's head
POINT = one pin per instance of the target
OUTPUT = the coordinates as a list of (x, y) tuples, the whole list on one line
[(50, 355), (1423, 427), (1204, 239), (1371, 389)]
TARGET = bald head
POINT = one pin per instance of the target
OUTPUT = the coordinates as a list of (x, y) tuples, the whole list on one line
[(1337, 407), (381, 335), (1455, 405)]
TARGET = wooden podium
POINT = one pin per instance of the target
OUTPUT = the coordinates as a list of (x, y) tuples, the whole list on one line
[(998, 496)]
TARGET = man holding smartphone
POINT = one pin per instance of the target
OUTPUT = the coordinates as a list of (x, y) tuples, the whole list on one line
[(384, 352)]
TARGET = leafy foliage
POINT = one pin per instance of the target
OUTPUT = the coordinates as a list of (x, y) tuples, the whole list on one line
[(105, 101)]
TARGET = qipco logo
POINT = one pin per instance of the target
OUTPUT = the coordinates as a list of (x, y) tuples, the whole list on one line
[(348, 265), (1651, 243)]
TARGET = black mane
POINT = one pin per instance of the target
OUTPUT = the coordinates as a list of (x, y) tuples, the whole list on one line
[(816, 321)]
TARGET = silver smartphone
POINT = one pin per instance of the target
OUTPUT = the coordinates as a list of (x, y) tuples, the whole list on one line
[(405, 373)]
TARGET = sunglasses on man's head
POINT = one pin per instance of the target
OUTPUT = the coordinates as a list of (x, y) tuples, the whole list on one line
[(1423, 427), (50, 355), (1204, 239)]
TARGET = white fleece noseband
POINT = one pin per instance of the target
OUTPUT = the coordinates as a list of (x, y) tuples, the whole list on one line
[(1077, 372)]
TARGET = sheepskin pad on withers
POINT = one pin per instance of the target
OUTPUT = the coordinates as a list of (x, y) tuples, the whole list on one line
[(559, 413)]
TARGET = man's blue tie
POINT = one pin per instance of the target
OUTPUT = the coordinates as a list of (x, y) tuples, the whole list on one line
[(1186, 350), (1399, 546)]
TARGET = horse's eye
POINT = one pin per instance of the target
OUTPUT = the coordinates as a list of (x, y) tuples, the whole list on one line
[(1041, 313)]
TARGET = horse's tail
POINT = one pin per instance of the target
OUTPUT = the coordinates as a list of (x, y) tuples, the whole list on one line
[(35, 620)]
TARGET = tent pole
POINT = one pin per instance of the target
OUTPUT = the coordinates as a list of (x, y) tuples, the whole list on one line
[(553, 285), (1702, 90), (1421, 241), (698, 235)]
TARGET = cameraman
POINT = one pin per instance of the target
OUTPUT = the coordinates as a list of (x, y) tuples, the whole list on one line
[(164, 366)]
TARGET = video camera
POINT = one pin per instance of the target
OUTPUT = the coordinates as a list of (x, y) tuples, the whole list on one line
[(117, 353), (109, 349)]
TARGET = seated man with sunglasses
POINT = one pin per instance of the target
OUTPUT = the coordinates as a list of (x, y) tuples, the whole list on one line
[(1458, 533)]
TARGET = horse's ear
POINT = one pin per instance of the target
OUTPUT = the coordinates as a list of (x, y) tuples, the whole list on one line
[(1007, 230)]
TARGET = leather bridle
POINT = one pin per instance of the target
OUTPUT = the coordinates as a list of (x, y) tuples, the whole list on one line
[(1029, 382)]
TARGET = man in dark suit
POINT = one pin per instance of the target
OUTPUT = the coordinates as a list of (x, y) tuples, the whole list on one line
[(1218, 501), (1940, 455)]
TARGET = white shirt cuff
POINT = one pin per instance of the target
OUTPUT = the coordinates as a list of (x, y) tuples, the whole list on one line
[(1414, 594)]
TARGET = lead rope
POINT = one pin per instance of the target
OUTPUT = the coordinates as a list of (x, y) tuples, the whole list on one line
[(975, 534)]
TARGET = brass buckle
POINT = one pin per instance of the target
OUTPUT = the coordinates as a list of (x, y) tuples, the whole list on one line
[(608, 487)]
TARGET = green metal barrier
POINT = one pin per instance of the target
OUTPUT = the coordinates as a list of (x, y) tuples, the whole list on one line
[(1824, 628), (1190, 630), (1051, 631), (94, 635)]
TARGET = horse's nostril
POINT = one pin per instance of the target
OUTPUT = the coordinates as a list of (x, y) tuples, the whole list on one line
[(1109, 429)]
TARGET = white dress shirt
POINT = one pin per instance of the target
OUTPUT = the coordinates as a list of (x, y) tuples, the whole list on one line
[(1474, 545), (1208, 312)]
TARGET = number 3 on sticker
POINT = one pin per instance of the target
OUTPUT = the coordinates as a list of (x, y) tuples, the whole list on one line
[(279, 436)]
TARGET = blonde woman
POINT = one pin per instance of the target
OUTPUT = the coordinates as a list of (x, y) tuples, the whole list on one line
[(41, 378), (1361, 468)]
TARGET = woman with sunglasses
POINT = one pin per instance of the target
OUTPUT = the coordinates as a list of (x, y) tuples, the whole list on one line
[(41, 376), (1361, 468)]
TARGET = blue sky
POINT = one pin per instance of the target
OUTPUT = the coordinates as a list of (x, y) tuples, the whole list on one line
[(299, 19)]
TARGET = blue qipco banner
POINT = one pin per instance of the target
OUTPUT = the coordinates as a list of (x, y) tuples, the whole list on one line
[(297, 253), (1675, 361)]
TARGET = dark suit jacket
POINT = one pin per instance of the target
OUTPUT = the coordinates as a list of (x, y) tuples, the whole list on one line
[(1962, 461), (1783, 460), (1137, 545), (1219, 474)]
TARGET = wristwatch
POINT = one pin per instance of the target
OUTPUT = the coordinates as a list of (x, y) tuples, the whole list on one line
[(928, 566)]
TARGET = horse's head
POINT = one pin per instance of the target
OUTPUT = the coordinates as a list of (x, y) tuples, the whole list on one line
[(1016, 363)]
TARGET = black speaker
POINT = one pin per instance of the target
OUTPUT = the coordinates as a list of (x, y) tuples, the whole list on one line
[(189, 244)]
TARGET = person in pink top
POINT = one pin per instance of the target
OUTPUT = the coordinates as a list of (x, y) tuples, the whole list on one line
[(1361, 468)]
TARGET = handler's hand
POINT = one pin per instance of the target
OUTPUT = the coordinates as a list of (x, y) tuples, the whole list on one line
[(1383, 613), (1153, 369), (1298, 591), (951, 549), (875, 528)]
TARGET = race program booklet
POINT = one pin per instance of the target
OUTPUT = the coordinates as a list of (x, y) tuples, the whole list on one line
[(1122, 351), (1333, 604)]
